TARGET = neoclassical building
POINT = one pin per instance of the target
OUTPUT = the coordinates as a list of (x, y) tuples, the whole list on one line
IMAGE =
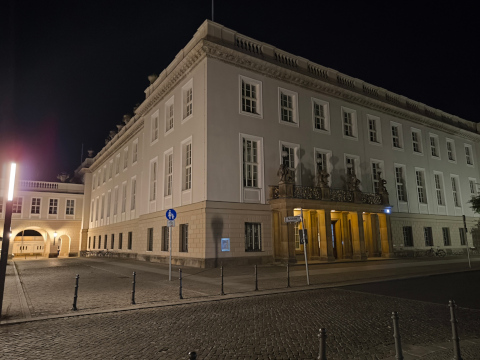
[(236, 135)]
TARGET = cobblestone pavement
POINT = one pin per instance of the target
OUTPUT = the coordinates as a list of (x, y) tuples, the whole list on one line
[(276, 326)]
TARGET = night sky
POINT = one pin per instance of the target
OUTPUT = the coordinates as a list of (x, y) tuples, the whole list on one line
[(71, 69)]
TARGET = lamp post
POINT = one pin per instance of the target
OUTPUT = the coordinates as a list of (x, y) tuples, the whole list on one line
[(6, 232)]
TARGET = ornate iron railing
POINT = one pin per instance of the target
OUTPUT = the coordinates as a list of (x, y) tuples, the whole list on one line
[(371, 198), (341, 195)]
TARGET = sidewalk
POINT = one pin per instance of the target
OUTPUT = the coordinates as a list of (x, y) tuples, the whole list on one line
[(39, 289)]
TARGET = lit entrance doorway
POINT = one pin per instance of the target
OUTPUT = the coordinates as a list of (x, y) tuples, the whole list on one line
[(28, 244), (334, 239)]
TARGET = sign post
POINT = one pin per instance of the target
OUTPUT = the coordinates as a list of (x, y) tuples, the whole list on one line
[(303, 234), (171, 216)]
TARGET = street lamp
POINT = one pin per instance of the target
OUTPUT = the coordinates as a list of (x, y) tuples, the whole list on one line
[(7, 232)]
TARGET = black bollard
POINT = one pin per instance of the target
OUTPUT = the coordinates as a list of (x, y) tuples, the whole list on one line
[(192, 355), (221, 273), (180, 278), (456, 340), (396, 336), (288, 275), (133, 289), (74, 308), (322, 348), (256, 278)]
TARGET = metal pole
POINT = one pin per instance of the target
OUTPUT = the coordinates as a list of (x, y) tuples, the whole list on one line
[(192, 355), (170, 249), (322, 350), (5, 245), (74, 308), (221, 273), (396, 336), (466, 239), (180, 278), (288, 275), (456, 340), (133, 289), (305, 247), (256, 278)]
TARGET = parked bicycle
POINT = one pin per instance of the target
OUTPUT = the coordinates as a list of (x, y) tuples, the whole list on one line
[(436, 252)]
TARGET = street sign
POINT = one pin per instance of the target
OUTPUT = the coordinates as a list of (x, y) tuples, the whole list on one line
[(171, 214), (170, 223), (292, 219)]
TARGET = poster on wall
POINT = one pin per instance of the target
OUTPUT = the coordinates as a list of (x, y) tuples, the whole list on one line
[(225, 244)]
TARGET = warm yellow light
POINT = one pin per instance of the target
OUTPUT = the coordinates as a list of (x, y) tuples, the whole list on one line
[(297, 209), (11, 184), (332, 210), (55, 234)]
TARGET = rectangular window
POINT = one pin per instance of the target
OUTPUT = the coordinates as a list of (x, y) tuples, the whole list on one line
[(165, 238), (117, 164), (456, 196), (94, 240), (253, 237), (446, 236), (94, 182), (471, 183), (400, 183), (129, 240), (451, 150), (184, 238), (124, 197), (321, 161), (439, 189), (168, 174), (135, 152), (286, 107), (96, 209), (250, 163), (417, 141), (372, 130), (376, 172), (407, 236), (133, 194), (150, 239), (53, 207), (105, 242), (89, 242), (420, 179), (99, 178), (187, 184), (249, 97), (91, 212), (120, 241), (169, 116), (468, 154), (351, 164), (112, 241), (396, 137), (109, 203), (321, 117), (434, 146), (188, 102), (115, 201), (153, 181), (288, 157), (102, 207), (70, 208), (104, 174), (347, 124), (427, 235), (125, 159), (463, 236), (110, 170), (35, 206), (155, 124)]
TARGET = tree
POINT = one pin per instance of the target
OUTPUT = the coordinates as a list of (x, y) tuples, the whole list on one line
[(475, 203)]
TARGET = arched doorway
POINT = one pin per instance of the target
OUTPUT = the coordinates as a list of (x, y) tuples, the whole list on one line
[(28, 243), (63, 246)]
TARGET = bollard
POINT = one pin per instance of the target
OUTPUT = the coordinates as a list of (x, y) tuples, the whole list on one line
[(396, 336), (180, 278), (221, 273), (456, 340), (74, 308), (256, 278), (322, 349), (192, 355), (133, 290), (288, 275)]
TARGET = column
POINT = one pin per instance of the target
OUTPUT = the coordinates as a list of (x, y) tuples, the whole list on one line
[(325, 227), (346, 236), (358, 240), (385, 235), (375, 235)]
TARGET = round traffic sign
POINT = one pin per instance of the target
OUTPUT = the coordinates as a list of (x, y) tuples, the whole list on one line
[(171, 214)]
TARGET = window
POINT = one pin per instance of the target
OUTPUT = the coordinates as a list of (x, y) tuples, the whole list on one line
[(109, 203), (115, 201), (463, 236), (397, 135), (456, 195), (117, 164), (169, 116), (420, 179), (321, 116), (168, 174), (105, 242), (451, 151), (187, 165), (125, 158), (150, 239), (153, 180), (251, 97), (165, 238), (94, 239), (352, 165), (472, 183), (427, 235), (289, 157), (89, 242), (439, 189), (133, 193), (155, 126), (99, 177), (110, 169), (35, 206), (468, 154), (102, 206), (288, 106), (135, 151), (124, 197), (129, 240), (187, 94), (104, 174), (96, 209), (120, 241), (296, 233), (91, 212), (434, 146), (400, 183), (446, 236), (407, 236), (322, 162), (374, 130), (53, 207), (94, 181), (70, 208), (112, 241), (349, 119), (376, 172), (253, 237), (184, 238), (250, 163), (417, 141)]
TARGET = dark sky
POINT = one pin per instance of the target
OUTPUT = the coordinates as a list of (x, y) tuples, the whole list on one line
[(71, 69)]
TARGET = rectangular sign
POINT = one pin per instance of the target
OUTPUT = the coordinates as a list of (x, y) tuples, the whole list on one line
[(294, 219), (171, 223), (225, 244)]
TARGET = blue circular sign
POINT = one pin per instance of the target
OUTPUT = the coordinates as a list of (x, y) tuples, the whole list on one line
[(171, 214)]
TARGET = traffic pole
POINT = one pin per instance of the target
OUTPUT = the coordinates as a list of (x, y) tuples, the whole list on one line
[(305, 247)]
